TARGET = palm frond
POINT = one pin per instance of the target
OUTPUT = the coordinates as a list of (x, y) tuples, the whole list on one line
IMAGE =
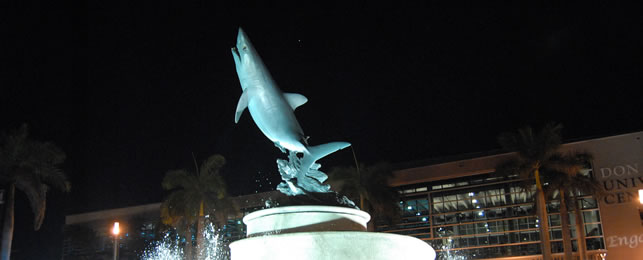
[(563, 165), (176, 179), (212, 165), (213, 183), (173, 207), (555, 181), (55, 178), (508, 168), (36, 194), (549, 139), (530, 145), (587, 185)]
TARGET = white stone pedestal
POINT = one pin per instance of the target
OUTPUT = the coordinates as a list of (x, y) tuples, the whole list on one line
[(321, 232)]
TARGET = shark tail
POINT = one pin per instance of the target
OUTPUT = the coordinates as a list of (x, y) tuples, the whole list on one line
[(320, 151)]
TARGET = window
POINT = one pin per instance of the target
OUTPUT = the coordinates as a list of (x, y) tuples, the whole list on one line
[(591, 216), (588, 203), (415, 207), (595, 243), (554, 220), (555, 234), (593, 230)]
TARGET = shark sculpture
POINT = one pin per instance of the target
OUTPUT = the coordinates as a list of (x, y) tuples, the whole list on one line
[(273, 112)]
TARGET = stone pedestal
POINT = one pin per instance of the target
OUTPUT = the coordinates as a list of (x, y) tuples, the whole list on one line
[(321, 232)]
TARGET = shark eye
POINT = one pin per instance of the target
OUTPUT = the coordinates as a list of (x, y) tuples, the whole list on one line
[(245, 47)]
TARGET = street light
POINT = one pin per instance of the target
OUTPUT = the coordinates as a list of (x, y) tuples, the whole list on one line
[(116, 230)]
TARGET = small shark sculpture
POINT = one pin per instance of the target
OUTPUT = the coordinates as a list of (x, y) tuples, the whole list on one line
[(273, 111)]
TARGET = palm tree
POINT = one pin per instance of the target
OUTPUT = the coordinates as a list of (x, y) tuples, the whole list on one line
[(31, 167), (535, 152), (569, 181), (562, 173), (370, 185), (193, 197)]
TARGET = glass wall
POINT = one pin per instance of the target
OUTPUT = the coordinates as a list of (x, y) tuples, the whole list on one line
[(485, 217)]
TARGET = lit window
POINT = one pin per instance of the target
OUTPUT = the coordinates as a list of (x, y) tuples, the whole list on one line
[(450, 185)]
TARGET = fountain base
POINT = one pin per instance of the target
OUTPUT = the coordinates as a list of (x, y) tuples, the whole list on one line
[(321, 232)]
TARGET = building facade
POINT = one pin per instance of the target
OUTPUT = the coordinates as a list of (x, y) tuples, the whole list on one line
[(463, 209)]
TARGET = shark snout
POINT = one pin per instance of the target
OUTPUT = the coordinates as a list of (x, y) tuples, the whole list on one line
[(242, 40)]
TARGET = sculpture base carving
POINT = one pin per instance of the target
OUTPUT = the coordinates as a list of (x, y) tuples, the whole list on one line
[(305, 186), (298, 181)]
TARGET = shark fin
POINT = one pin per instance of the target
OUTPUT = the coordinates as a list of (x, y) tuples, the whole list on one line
[(295, 100), (317, 152), (243, 103)]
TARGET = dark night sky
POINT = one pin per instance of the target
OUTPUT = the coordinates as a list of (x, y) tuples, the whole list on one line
[(130, 89)]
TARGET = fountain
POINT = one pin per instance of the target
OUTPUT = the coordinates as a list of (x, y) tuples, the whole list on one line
[(330, 226), (169, 247), (166, 249)]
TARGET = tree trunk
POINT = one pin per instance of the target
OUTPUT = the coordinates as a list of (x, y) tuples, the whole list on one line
[(541, 210), (8, 225), (199, 238), (200, 222), (188, 249), (564, 225), (580, 230)]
